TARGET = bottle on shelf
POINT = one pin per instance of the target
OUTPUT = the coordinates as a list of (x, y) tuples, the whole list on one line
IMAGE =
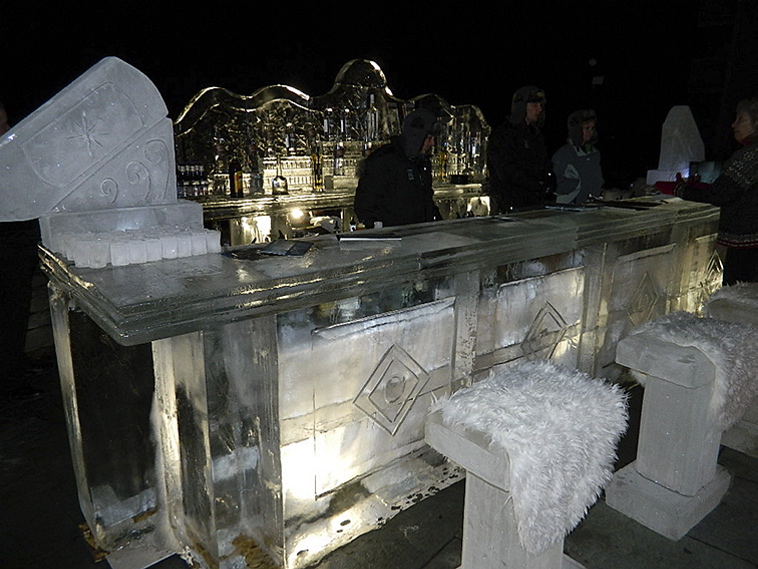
[(256, 170), (220, 170), (181, 181), (289, 140), (279, 183), (372, 121), (198, 183), (236, 189), (442, 160), (339, 158), (317, 162)]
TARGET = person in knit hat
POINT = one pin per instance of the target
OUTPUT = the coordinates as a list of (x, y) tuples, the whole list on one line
[(735, 191), (519, 166), (576, 164), (395, 180)]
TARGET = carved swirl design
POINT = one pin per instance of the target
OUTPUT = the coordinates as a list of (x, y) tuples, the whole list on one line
[(139, 176), (109, 190)]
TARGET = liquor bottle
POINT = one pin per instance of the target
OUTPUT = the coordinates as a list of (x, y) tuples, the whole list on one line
[(203, 180), (442, 162), (220, 170), (339, 158), (317, 162), (256, 176), (329, 128), (235, 178), (372, 120), (279, 183), (289, 140), (189, 181), (317, 171), (181, 176)]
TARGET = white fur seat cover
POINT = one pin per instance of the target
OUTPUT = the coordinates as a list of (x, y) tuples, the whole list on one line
[(733, 348), (741, 294), (560, 429)]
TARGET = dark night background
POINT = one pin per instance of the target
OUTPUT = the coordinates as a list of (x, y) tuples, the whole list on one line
[(650, 55)]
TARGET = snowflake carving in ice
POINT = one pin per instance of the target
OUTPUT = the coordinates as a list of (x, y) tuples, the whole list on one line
[(545, 333), (88, 133), (643, 301), (391, 389)]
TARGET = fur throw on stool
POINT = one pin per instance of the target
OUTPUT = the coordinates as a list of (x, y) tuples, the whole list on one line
[(733, 348), (740, 298), (559, 428)]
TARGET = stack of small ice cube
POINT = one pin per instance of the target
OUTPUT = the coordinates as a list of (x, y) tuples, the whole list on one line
[(133, 246)]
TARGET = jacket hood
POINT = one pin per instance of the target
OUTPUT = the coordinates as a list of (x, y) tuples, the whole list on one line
[(526, 94), (416, 127), (574, 123)]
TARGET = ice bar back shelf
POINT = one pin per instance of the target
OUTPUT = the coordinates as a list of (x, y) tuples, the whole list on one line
[(316, 143)]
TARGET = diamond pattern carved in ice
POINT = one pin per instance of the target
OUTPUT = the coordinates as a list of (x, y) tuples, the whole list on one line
[(643, 301), (392, 388), (545, 333), (713, 276)]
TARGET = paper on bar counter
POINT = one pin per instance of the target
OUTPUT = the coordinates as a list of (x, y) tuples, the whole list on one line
[(364, 236)]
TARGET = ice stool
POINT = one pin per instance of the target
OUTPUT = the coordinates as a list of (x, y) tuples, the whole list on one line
[(538, 442), (738, 303), (699, 375)]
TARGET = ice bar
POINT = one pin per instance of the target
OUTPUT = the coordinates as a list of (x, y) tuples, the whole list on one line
[(232, 400)]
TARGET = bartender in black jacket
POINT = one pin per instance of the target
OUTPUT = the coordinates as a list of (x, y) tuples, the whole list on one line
[(517, 158), (395, 184)]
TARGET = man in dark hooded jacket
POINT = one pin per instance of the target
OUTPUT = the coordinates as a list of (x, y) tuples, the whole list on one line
[(517, 155), (395, 185)]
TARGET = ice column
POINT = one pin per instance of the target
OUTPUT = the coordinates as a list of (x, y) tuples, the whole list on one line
[(699, 376), (739, 304)]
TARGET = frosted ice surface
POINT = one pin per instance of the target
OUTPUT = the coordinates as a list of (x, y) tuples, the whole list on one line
[(103, 141), (183, 244), (96, 165), (153, 248), (681, 142), (119, 248), (119, 251), (199, 244), (169, 247), (137, 250)]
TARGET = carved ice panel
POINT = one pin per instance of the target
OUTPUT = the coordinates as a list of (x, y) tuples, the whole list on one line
[(82, 136), (539, 317), (367, 385), (639, 293), (103, 141)]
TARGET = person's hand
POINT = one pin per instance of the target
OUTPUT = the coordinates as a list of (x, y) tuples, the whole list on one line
[(683, 184)]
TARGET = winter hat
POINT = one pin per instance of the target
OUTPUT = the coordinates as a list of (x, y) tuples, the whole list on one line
[(575, 122), (527, 94), (416, 127)]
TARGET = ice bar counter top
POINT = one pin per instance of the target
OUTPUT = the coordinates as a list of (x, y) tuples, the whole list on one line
[(223, 403), (233, 398)]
